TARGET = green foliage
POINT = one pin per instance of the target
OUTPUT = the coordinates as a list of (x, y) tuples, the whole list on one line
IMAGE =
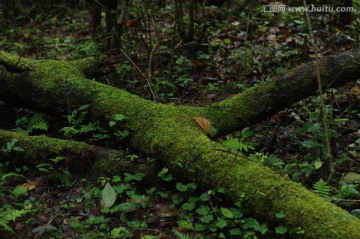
[(120, 232), (345, 193), (165, 175), (281, 230), (80, 127), (76, 120), (11, 147), (56, 173), (9, 214), (70, 47), (270, 160), (108, 196), (27, 124), (149, 237), (120, 134), (181, 235), (182, 68), (122, 70), (322, 189), (239, 143)]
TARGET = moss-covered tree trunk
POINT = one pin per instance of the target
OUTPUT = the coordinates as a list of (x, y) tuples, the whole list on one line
[(78, 157), (171, 134)]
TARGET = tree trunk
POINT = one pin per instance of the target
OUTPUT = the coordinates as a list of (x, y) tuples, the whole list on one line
[(78, 155), (171, 134)]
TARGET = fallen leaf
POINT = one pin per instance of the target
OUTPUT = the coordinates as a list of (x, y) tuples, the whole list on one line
[(205, 124), (30, 185)]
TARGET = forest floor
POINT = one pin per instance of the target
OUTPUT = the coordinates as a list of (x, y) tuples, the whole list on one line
[(236, 51)]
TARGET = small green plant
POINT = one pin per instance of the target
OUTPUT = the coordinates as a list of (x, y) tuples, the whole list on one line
[(56, 174), (181, 235), (280, 229), (243, 59), (122, 70), (9, 214), (240, 142), (76, 120), (11, 152), (345, 193), (322, 189), (118, 119), (27, 124), (182, 67), (11, 147), (149, 237), (270, 160), (80, 127)]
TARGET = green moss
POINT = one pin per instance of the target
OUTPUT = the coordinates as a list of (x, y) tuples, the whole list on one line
[(37, 145)]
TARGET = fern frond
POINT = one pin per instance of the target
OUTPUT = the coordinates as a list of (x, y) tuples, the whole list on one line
[(180, 235), (41, 126), (36, 119), (321, 189), (149, 237)]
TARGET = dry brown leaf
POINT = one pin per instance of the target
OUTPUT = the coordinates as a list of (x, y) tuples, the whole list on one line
[(204, 123), (30, 185), (356, 90)]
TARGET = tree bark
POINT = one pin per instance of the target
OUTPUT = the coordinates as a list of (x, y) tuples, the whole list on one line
[(170, 132)]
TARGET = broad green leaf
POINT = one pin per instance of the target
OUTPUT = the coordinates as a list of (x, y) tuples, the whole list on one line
[(203, 210), (119, 117), (181, 187), (188, 206), (213, 132), (246, 133), (281, 230), (314, 128), (235, 232), (227, 41), (207, 218), (232, 144), (83, 107), (221, 223), (318, 164), (19, 190), (108, 196), (352, 177), (134, 177), (310, 144), (126, 207), (226, 212), (205, 197)]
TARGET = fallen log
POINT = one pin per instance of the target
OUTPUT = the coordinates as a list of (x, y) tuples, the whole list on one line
[(78, 157), (170, 132)]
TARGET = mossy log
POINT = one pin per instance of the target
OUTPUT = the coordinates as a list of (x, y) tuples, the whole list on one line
[(171, 134), (78, 157)]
